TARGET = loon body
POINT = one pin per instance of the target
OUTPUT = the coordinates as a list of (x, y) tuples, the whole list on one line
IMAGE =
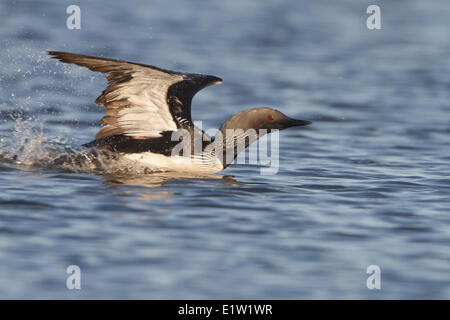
[(147, 106)]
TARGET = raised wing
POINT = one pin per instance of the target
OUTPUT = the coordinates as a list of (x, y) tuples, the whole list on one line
[(141, 101)]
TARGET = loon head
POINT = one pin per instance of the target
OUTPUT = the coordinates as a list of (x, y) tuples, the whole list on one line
[(261, 118)]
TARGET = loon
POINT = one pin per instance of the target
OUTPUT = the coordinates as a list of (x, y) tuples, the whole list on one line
[(147, 106)]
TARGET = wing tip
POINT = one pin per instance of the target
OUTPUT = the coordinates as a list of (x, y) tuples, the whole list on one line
[(213, 80)]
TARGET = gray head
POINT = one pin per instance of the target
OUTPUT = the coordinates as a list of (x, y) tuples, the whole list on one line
[(261, 118)]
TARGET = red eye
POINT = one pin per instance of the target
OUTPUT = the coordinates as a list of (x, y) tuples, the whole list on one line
[(269, 117)]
